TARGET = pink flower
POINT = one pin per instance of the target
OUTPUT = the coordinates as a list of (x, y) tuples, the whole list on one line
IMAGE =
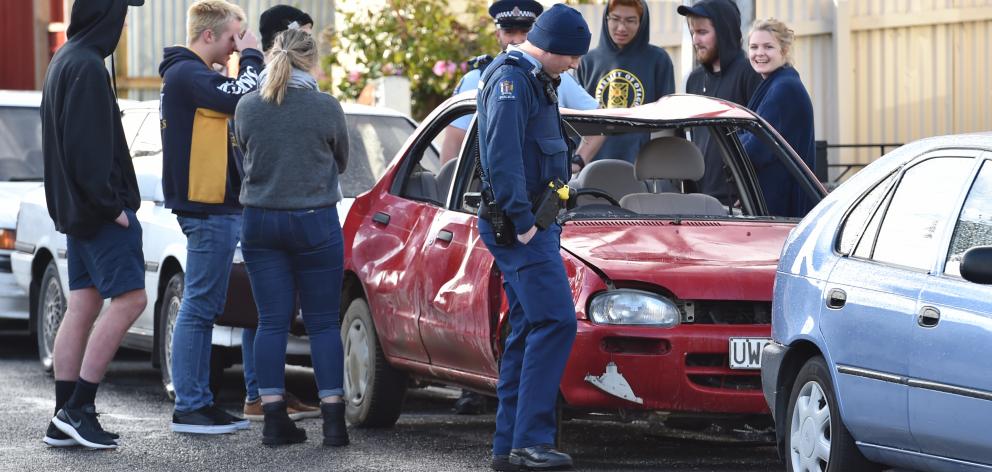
[(463, 66), (439, 68), (388, 69), (451, 68), (354, 75)]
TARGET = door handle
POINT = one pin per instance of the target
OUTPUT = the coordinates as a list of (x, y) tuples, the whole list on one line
[(836, 298), (929, 317), (381, 218), (445, 235)]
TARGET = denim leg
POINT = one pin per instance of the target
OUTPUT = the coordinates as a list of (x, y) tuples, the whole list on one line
[(507, 388), (209, 252), (248, 361), (270, 271), (319, 271)]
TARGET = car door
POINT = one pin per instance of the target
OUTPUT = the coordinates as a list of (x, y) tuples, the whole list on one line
[(461, 290), (871, 298), (950, 378)]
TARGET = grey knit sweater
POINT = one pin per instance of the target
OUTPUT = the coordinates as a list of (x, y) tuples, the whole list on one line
[(294, 152)]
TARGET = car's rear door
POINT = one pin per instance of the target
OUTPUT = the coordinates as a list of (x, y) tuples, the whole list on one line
[(871, 299), (950, 376)]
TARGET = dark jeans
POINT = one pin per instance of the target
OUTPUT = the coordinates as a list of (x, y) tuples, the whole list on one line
[(290, 252)]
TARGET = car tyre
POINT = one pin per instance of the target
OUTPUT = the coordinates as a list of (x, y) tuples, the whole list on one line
[(816, 439), (51, 308), (373, 390), (168, 313)]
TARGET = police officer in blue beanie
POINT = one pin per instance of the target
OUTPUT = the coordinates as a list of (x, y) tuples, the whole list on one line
[(523, 150)]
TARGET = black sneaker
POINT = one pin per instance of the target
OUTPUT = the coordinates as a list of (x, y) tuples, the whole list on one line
[(225, 417), (56, 438), (501, 463), (81, 424), (201, 421)]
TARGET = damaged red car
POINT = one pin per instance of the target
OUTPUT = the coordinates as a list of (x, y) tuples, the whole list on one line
[(672, 287)]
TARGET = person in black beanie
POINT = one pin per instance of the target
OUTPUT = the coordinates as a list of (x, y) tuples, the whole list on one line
[(522, 149), (281, 18)]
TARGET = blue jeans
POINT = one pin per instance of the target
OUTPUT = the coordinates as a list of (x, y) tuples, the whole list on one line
[(210, 244), (290, 252), (248, 361)]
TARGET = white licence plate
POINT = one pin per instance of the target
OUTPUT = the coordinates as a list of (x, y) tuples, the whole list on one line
[(745, 353)]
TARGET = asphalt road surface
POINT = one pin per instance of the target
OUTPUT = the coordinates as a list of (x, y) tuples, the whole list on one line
[(428, 436)]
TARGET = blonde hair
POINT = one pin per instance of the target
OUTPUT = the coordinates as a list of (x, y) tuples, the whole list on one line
[(213, 15), (293, 48), (782, 33)]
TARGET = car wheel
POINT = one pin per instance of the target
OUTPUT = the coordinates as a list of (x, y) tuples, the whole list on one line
[(817, 439), (171, 300), (373, 390), (51, 308)]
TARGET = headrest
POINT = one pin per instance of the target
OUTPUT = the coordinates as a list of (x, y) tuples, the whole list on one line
[(669, 157)]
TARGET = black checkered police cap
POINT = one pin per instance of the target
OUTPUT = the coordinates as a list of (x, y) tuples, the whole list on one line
[(515, 14)]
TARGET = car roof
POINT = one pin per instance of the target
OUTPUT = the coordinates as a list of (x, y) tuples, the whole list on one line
[(20, 98), (675, 107)]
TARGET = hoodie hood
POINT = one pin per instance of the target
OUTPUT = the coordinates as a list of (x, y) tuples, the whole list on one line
[(640, 40), (97, 24), (177, 54), (726, 18)]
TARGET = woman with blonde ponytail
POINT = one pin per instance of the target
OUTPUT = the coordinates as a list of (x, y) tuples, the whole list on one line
[(296, 144)]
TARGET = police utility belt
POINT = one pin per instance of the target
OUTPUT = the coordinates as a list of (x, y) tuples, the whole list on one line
[(546, 205)]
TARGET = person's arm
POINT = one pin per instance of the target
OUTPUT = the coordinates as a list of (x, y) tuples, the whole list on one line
[(219, 93), (776, 109), (573, 96), (339, 135), (506, 124), (453, 138), (88, 143), (665, 74)]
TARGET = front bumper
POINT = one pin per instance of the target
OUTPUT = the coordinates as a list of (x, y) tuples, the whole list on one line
[(771, 364), (682, 369)]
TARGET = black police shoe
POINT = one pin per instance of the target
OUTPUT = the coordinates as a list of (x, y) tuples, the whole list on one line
[(501, 463), (542, 457), (81, 424), (470, 403)]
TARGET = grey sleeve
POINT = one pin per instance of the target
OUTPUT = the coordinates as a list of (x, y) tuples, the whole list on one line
[(338, 137)]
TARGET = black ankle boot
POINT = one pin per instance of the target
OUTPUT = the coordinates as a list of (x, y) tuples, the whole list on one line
[(335, 432), (279, 429)]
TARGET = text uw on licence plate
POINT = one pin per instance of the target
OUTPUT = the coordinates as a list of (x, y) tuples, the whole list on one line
[(745, 353)]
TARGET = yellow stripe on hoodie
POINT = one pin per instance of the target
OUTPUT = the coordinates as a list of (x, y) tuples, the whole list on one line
[(208, 157)]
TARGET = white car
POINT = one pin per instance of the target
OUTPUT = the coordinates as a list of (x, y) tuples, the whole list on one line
[(39, 263), (21, 170)]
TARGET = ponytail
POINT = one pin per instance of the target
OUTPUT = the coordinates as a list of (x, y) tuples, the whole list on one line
[(293, 48)]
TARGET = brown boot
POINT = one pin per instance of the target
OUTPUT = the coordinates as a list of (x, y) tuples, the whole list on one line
[(298, 410), (253, 410)]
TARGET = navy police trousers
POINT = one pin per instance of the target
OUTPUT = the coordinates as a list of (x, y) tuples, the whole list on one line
[(542, 330)]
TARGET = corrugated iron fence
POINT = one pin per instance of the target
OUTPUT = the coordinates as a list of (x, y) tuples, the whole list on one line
[(162, 23)]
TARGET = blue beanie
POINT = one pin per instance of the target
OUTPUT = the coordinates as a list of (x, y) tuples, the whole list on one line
[(561, 30)]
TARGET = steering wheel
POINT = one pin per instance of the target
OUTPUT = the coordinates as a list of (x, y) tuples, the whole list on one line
[(593, 192)]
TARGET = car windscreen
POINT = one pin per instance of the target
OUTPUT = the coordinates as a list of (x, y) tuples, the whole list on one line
[(20, 144), (692, 171), (373, 142)]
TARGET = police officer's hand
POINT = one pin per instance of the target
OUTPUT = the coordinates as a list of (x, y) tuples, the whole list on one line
[(526, 237), (246, 40), (122, 220)]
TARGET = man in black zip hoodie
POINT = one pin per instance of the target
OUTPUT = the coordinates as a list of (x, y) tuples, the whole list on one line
[(92, 194), (723, 72), (201, 180), (626, 71)]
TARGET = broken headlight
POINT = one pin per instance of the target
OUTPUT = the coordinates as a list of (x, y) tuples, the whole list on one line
[(633, 307)]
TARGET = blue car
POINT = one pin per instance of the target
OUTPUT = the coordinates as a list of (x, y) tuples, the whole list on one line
[(882, 317)]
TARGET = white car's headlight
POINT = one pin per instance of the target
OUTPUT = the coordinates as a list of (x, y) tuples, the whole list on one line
[(633, 307)]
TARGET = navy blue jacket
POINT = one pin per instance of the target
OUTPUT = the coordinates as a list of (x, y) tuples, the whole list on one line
[(521, 143), (783, 102), (201, 162), (89, 178)]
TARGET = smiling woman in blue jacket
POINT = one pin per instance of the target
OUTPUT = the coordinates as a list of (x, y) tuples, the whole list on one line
[(784, 103)]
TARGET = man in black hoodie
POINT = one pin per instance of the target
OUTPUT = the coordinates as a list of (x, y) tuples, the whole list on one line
[(92, 194), (625, 71), (723, 72)]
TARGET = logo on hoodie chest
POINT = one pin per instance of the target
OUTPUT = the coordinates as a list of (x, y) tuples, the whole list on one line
[(620, 89)]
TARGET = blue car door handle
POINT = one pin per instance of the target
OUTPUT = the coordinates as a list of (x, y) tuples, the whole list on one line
[(836, 298), (929, 317)]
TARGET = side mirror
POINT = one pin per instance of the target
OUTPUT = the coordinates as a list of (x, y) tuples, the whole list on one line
[(976, 265), (472, 201)]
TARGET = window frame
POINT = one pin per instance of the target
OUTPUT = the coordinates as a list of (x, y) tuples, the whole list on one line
[(981, 159)]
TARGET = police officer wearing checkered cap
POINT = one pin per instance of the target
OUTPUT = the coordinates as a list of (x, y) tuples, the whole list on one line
[(523, 149)]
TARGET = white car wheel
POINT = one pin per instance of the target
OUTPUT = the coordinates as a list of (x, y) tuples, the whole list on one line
[(51, 310), (810, 430), (373, 389)]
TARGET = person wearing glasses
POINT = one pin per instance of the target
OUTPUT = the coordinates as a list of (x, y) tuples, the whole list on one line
[(626, 71)]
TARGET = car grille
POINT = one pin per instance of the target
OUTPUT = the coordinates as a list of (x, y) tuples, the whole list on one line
[(725, 312), (712, 371)]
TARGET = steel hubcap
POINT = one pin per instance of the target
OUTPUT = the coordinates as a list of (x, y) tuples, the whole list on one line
[(356, 351), (53, 313), (810, 430), (170, 325)]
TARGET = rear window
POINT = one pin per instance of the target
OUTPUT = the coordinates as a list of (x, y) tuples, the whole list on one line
[(20, 144)]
